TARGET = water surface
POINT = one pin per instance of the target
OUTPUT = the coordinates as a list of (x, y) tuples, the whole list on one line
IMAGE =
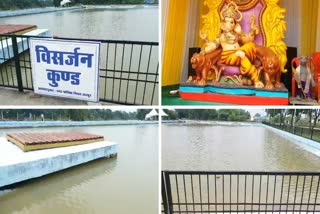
[(139, 24), (205, 147), (132, 69)]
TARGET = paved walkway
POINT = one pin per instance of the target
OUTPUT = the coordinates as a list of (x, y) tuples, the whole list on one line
[(14, 97)]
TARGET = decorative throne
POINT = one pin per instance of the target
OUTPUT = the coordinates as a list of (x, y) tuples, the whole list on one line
[(224, 83)]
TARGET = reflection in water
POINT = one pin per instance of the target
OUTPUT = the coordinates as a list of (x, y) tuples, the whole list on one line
[(135, 24), (102, 186), (194, 147), (74, 181), (138, 63)]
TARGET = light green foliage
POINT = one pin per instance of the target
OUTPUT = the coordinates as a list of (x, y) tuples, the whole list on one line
[(21, 4)]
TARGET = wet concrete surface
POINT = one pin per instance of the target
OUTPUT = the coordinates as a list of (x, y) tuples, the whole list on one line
[(14, 97)]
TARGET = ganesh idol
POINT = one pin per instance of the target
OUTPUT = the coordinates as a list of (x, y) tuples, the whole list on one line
[(230, 38)]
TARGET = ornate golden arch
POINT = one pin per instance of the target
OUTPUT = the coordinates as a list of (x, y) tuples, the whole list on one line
[(273, 24)]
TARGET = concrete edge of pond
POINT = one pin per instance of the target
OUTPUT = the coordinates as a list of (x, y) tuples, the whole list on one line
[(32, 124), (199, 122), (10, 13), (22, 12), (17, 166), (310, 145)]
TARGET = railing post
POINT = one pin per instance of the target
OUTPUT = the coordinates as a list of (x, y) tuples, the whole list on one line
[(17, 62), (168, 194), (164, 194)]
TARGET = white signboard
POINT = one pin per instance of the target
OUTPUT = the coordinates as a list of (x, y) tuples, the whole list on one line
[(65, 68)]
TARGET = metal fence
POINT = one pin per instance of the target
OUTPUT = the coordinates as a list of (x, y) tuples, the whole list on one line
[(239, 192), (312, 133), (129, 70)]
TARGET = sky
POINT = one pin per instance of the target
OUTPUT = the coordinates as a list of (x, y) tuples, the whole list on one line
[(255, 111)]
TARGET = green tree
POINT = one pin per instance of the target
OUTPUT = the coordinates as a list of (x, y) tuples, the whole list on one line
[(316, 117), (78, 114), (212, 114), (282, 113), (141, 113), (56, 3), (223, 114), (172, 115), (295, 116), (182, 113)]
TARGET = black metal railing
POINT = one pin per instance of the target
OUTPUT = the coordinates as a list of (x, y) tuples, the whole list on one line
[(239, 192), (312, 132), (129, 70)]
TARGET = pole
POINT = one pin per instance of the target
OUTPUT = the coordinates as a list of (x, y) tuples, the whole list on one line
[(17, 63), (294, 120)]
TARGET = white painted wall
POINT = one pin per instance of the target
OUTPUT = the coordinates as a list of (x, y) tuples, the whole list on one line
[(164, 5), (293, 19), (17, 166), (190, 36)]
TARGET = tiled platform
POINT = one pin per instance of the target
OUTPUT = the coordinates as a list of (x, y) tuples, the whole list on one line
[(46, 140)]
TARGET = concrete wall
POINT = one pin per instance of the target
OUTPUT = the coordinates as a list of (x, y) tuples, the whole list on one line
[(21, 171), (17, 124), (6, 48), (309, 145)]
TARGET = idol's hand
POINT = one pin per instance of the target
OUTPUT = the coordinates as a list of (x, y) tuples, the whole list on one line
[(211, 46), (204, 36), (238, 29), (241, 54)]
